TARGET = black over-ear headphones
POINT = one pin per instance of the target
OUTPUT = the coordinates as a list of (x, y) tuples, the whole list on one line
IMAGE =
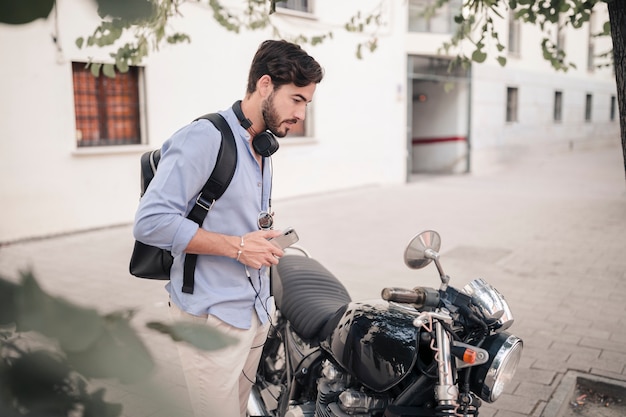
[(265, 144)]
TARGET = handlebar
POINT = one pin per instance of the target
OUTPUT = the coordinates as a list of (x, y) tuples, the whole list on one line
[(419, 296), (402, 295)]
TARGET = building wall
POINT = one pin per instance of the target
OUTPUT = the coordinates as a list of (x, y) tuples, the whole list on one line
[(536, 100), (491, 135), (537, 82), (359, 118), (48, 186)]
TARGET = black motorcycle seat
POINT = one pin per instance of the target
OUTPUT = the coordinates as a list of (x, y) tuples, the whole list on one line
[(307, 294)]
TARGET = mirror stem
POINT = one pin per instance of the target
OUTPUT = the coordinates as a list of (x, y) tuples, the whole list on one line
[(431, 254)]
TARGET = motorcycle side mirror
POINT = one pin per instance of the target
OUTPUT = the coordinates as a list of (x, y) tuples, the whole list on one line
[(422, 250)]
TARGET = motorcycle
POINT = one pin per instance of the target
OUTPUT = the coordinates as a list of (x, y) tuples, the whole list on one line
[(414, 352)]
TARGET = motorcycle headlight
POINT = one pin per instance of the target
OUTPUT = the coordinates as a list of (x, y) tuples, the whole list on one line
[(489, 379), (490, 302)]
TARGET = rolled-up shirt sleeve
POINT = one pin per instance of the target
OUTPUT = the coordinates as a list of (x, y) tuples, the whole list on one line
[(187, 160)]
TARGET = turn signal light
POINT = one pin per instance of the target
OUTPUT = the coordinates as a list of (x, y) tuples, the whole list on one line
[(465, 354)]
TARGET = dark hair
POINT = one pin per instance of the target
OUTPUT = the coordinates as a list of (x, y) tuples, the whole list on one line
[(286, 63)]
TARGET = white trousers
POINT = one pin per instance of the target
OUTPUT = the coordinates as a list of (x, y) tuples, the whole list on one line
[(219, 381)]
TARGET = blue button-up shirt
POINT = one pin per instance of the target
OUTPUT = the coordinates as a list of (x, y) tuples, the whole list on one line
[(222, 287)]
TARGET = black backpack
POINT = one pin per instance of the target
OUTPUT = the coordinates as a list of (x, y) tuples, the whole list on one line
[(154, 263)]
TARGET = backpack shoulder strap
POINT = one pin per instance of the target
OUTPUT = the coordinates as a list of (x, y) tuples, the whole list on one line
[(222, 173), (213, 189)]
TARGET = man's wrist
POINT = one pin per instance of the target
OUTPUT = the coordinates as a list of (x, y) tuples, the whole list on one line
[(240, 249)]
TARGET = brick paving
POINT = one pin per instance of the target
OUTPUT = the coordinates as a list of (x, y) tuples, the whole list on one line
[(547, 229)]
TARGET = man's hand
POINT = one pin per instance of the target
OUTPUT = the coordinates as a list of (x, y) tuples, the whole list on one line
[(257, 251)]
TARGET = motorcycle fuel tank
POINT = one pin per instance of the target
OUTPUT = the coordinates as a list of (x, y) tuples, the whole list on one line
[(376, 342)]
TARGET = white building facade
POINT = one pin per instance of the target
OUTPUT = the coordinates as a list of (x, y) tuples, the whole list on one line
[(70, 163)]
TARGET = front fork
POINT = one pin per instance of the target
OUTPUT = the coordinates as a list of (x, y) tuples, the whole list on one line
[(446, 391)]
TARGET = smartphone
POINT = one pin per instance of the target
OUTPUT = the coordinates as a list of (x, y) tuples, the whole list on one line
[(288, 238)]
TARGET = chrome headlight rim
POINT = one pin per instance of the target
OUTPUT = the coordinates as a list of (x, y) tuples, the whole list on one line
[(489, 380), (490, 302)]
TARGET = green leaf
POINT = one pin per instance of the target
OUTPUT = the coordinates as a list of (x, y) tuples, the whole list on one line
[(198, 335), (95, 69), (521, 14), (117, 353), (107, 33), (18, 12), (178, 38), (122, 65), (479, 56), (8, 307), (74, 327), (35, 377), (373, 44), (109, 70), (128, 10), (502, 61), (79, 42)]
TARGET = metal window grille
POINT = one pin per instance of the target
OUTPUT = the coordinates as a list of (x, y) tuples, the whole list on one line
[(107, 109)]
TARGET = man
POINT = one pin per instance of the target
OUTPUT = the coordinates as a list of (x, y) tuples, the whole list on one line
[(231, 276)]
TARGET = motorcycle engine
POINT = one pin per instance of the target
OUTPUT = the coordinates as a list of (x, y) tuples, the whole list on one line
[(334, 399)]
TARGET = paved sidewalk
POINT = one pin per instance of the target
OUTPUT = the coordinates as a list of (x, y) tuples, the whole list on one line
[(547, 230)]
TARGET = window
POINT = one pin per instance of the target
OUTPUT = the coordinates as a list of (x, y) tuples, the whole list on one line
[(511, 104), (435, 66), (588, 100), (107, 109), (558, 106), (423, 19), (613, 108), (514, 34), (298, 5)]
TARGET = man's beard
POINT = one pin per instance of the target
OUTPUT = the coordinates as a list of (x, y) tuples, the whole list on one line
[(271, 118)]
